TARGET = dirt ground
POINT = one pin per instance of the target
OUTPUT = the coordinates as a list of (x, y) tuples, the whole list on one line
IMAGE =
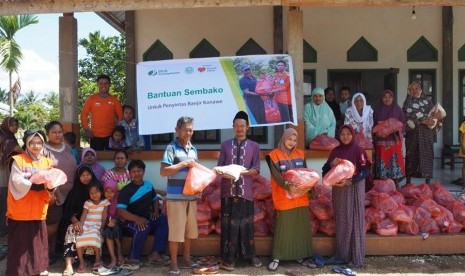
[(374, 265)]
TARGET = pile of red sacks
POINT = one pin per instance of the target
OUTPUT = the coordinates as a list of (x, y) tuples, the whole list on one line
[(412, 209), (209, 208), (321, 211)]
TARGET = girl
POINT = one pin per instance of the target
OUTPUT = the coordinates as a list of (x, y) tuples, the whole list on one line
[(292, 239), (112, 233), (117, 139), (349, 199), (131, 131), (89, 158), (93, 219)]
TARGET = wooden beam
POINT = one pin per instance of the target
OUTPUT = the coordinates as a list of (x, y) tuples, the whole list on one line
[(340, 3), (68, 6), (447, 75)]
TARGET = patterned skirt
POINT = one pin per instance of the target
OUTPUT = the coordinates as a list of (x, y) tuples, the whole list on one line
[(389, 161)]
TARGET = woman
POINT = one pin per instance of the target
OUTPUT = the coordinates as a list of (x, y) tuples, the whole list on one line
[(360, 116), (64, 160), (330, 98), (118, 173), (73, 210), (389, 157), (27, 209), (8, 147), (419, 137), (292, 237), (89, 158), (318, 117), (349, 199)]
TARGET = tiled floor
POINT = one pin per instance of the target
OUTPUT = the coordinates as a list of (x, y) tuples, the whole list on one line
[(444, 176)]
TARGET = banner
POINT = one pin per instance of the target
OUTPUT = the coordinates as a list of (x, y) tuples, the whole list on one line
[(213, 90)]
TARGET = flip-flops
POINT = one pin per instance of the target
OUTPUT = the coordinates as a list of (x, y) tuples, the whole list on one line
[(255, 262), (208, 270), (273, 266), (160, 262), (174, 272), (309, 263), (130, 266), (188, 266), (319, 260), (111, 271), (226, 266), (344, 270)]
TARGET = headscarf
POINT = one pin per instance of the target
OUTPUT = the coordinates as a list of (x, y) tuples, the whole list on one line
[(79, 194), (365, 118), (7, 140), (98, 169), (351, 151), (28, 135), (113, 185), (416, 109), (333, 104), (383, 112), (318, 118), (287, 133)]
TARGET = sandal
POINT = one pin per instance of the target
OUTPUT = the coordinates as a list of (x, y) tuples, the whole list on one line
[(82, 268), (273, 266), (226, 266), (206, 270), (68, 273), (344, 270), (174, 272), (309, 263), (111, 271), (188, 266), (130, 266), (255, 262), (160, 261)]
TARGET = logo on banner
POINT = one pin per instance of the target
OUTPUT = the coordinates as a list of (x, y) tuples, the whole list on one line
[(189, 70), (161, 72), (201, 69)]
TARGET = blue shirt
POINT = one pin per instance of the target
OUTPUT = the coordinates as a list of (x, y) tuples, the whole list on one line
[(248, 82), (137, 199), (175, 153)]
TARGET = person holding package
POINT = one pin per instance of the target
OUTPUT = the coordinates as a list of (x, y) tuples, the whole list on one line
[(348, 197), (237, 207), (179, 156), (292, 238)]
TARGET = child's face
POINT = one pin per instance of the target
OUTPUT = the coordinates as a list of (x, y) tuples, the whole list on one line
[(345, 136), (89, 158), (85, 177), (262, 76), (344, 95), (290, 142), (329, 96), (117, 136), (95, 194), (109, 193), (128, 115)]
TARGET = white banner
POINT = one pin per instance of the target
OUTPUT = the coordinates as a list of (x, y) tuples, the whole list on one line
[(213, 90)]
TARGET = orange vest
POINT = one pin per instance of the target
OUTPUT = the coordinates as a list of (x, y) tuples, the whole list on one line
[(283, 84), (34, 205), (284, 162)]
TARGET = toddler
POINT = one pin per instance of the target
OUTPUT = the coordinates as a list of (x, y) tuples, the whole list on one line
[(117, 139), (131, 131)]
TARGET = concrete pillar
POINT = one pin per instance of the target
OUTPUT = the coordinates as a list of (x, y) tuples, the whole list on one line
[(295, 49), (68, 68), (129, 29)]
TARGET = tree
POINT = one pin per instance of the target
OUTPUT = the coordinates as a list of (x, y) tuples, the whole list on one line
[(105, 55), (53, 102), (32, 112), (3, 96), (10, 51)]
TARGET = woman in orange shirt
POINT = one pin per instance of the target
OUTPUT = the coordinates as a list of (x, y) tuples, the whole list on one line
[(293, 234)]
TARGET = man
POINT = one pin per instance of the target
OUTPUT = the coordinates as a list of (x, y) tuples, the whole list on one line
[(253, 100), (282, 92), (105, 112), (179, 156), (237, 209), (344, 100)]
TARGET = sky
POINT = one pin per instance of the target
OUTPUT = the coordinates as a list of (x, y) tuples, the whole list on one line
[(39, 44)]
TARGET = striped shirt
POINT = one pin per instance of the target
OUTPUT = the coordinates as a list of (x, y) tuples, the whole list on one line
[(91, 229), (174, 154)]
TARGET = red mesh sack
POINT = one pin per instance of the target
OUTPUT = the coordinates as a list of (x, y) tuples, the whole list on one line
[(259, 211), (323, 142), (384, 186), (387, 127), (322, 208), (410, 228), (261, 187), (442, 195), (429, 205), (410, 191), (454, 228), (218, 227), (369, 196), (420, 216), (458, 210), (272, 114), (264, 87), (363, 141), (384, 203), (260, 228), (402, 214), (398, 197), (327, 227), (206, 229), (301, 181), (315, 224), (444, 218), (320, 190), (386, 227), (373, 215), (197, 179), (430, 226), (425, 190), (204, 212), (214, 200), (343, 170)]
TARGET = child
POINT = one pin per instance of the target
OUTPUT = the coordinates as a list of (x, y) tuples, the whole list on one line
[(117, 139), (70, 140), (93, 219), (112, 233), (131, 131), (348, 199), (344, 101), (89, 158)]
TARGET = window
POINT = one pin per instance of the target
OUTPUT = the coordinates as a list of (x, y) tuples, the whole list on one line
[(309, 84)]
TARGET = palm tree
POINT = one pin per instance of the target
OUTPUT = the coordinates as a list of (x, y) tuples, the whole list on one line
[(3, 96), (10, 51)]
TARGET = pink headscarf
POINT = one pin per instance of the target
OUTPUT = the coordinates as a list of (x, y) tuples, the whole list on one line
[(114, 186), (287, 133)]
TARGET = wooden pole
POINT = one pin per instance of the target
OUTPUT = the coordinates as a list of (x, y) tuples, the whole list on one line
[(447, 75)]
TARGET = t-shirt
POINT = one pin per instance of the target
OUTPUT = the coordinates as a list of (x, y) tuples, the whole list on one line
[(174, 154), (137, 199), (462, 130), (104, 113)]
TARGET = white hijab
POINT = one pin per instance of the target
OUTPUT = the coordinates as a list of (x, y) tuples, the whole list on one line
[(364, 119)]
